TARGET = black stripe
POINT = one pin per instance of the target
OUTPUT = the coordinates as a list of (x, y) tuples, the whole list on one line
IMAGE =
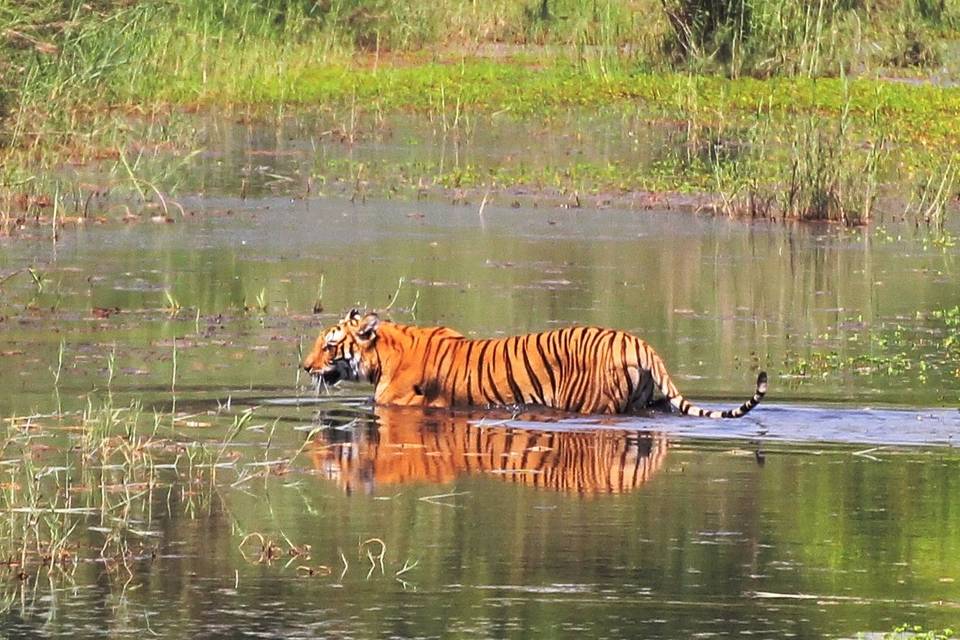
[(579, 356), (453, 372), (549, 369), (534, 380), (490, 369), (575, 349), (518, 396), (426, 353), (624, 366), (605, 362), (577, 395), (466, 368), (480, 361), (558, 342), (626, 369), (586, 348), (444, 356), (642, 360)]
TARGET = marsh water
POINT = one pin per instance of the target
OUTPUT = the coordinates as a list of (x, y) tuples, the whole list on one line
[(225, 497)]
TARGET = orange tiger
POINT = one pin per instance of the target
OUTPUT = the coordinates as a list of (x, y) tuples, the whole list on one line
[(576, 369), (411, 446)]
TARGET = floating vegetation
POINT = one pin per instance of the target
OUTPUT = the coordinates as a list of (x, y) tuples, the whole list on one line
[(918, 632), (891, 350)]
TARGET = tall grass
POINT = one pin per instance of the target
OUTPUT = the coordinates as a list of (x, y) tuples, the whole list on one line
[(73, 52), (94, 495), (827, 179), (61, 62), (71, 72), (932, 194), (825, 171), (813, 38)]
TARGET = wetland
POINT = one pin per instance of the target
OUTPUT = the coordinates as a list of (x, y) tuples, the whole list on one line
[(167, 469), (189, 192)]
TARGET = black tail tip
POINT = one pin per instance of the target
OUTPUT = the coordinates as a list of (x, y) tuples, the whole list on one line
[(762, 381)]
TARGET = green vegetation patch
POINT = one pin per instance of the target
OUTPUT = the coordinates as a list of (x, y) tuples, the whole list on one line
[(83, 82)]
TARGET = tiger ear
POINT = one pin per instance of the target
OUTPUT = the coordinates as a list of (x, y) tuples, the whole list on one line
[(353, 315), (368, 327)]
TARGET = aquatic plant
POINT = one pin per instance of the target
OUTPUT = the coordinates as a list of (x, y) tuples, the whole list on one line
[(262, 303), (173, 367), (825, 180), (173, 304), (918, 632), (931, 197), (58, 370), (318, 300), (826, 170)]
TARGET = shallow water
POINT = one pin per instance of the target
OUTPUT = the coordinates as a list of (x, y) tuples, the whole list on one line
[(834, 315), (830, 510), (492, 527)]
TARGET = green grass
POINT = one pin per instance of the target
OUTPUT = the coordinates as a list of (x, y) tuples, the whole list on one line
[(93, 497), (80, 82)]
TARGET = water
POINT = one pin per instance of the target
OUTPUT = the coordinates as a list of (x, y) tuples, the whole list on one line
[(834, 315), (829, 511), (510, 530)]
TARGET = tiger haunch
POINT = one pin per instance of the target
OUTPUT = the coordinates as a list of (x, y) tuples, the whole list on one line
[(577, 369)]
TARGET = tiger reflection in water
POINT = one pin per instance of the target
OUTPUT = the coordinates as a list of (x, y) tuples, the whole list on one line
[(409, 445)]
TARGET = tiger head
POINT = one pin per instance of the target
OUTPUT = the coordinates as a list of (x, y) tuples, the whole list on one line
[(345, 350)]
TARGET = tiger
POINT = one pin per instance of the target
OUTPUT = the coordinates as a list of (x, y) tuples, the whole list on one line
[(411, 446), (578, 369)]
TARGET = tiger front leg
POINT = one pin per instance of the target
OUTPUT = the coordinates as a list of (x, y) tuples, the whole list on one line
[(411, 394)]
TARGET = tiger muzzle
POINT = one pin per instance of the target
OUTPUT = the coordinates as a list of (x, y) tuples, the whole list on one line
[(330, 375)]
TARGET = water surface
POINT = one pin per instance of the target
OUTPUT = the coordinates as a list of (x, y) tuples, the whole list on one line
[(191, 465)]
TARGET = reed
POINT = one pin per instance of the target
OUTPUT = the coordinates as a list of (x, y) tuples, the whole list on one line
[(173, 304), (173, 368), (262, 301), (932, 194), (781, 37), (826, 170)]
